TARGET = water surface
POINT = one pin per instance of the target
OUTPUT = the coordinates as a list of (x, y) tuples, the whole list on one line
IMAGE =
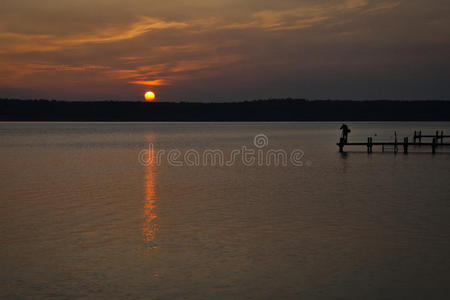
[(81, 217)]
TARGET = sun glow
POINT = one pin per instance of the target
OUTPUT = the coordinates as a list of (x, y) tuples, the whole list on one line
[(149, 96)]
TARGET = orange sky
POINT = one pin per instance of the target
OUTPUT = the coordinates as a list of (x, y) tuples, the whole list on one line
[(221, 50)]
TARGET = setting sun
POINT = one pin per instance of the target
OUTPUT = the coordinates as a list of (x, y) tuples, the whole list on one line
[(149, 96)]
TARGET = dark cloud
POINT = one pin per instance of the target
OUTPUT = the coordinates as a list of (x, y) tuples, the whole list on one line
[(224, 50)]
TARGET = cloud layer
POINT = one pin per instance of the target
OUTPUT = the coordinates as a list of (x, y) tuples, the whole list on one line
[(224, 50)]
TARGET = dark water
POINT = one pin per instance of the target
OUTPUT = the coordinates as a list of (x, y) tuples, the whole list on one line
[(81, 217)]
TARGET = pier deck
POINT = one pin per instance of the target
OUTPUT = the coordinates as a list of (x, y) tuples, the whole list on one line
[(437, 141)]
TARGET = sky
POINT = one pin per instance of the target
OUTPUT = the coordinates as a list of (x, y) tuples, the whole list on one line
[(224, 50)]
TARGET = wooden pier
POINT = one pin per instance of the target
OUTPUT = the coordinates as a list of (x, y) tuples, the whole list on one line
[(438, 136), (437, 141)]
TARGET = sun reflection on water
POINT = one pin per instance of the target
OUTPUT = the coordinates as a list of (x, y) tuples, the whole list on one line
[(149, 227)]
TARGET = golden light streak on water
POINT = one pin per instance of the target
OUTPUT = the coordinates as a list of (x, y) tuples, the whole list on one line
[(149, 227)]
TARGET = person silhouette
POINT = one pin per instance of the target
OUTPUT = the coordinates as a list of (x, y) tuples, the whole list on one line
[(345, 132)]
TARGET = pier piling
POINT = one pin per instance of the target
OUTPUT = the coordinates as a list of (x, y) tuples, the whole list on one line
[(433, 146), (369, 145), (341, 145), (405, 145)]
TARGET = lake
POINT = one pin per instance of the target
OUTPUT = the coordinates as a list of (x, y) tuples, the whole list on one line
[(173, 210)]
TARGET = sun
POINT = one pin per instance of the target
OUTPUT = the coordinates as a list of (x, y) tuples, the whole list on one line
[(149, 96)]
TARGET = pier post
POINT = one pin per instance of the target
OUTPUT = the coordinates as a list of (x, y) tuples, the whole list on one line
[(369, 145), (442, 137), (433, 146), (420, 137), (395, 143), (405, 145), (415, 136), (341, 145)]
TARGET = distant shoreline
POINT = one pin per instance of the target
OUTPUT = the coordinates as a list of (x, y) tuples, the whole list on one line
[(280, 110)]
